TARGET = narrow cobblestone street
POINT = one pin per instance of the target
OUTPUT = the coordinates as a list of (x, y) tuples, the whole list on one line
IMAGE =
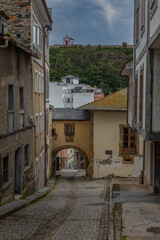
[(77, 208)]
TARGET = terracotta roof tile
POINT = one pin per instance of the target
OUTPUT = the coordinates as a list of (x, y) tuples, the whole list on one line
[(113, 102)]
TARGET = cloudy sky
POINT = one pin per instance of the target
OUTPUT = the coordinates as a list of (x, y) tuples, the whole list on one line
[(92, 21)]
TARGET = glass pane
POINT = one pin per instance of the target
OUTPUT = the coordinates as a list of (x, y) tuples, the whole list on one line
[(132, 145), (125, 131)]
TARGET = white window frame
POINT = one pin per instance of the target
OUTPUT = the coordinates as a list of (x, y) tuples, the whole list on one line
[(42, 82), (37, 124), (41, 123), (36, 81), (39, 81)]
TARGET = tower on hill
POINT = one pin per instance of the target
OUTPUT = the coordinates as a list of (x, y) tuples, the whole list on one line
[(68, 41)]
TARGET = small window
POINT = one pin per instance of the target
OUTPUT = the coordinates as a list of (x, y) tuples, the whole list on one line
[(137, 25), (10, 97), (37, 125), (21, 93), (153, 7), (40, 83), (5, 172), (26, 155), (10, 108), (128, 140), (69, 129), (36, 81)]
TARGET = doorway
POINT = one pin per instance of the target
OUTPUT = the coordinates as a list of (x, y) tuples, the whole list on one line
[(17, 184), (157, 167)]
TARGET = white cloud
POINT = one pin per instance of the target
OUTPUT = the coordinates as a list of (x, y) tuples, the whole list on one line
[(109, 12)]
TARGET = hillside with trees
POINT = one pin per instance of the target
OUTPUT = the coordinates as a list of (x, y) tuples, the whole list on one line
[(98, 66)]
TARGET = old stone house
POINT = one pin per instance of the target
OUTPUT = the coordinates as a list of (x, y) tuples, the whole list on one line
[(144, 92), (30, 23), (16, 128), (117, 149)]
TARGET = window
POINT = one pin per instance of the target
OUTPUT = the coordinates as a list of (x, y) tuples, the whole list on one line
[(67, 80), (127, 140), (5, 173), (135, 96), (21, 95), (42, 83), (141, 99), (10, 108), (68, 90), (37, 169), (153, 7), (36, 81), (40, 87), (26, 155), (34, 31), (37, 125), (68, 100), (41, 122), (69, 129), (137, 25), (142, 16), (21, 98)]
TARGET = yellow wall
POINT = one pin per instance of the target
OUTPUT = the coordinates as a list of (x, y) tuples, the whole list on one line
[(81, 137), (107, 137)]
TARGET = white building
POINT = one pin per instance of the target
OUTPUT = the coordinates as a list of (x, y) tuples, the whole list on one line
[(70, 94)]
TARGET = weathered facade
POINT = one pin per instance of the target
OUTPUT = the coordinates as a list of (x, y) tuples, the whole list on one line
[(30, 22), (16, 130), (146, 87), (117, 149), (71, 129)]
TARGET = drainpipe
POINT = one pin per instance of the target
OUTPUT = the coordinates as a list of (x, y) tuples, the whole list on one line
[(45, 122)]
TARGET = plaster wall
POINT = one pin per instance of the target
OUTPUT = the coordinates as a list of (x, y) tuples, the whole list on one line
[(55, 95), (80, 99), (81, 137), (15, 70), (154, 22), (107, 137)]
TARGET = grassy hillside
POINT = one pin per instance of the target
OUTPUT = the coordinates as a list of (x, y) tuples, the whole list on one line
[(98, 66)]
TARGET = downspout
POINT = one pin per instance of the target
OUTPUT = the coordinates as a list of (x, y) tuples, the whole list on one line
[(45, 122)]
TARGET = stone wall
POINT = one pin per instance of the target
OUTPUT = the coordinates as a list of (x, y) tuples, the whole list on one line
[(20, 19)]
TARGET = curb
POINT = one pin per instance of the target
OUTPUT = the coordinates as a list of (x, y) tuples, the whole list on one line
[(17, 205)]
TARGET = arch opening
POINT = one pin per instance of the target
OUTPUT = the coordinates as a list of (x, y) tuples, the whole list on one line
[(70, 158)]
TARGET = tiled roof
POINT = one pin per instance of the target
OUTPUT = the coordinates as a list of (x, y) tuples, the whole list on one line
[(70, 114), (113, 102)]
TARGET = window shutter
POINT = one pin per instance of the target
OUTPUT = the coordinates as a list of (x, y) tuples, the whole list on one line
[(141, 100)]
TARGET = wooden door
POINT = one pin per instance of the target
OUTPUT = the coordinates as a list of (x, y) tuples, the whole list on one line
[(18, 171)]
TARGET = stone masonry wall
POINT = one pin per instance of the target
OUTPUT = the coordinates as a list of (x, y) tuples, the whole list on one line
[(20, 19)]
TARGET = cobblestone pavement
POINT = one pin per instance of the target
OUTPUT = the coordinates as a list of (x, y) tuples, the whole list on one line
[(77, 209)]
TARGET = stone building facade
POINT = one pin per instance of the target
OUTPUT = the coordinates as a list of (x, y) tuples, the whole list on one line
[(145, 97), (16, 129), (30, 23)]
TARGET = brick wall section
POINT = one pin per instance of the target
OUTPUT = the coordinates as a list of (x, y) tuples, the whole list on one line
[(20, 19)]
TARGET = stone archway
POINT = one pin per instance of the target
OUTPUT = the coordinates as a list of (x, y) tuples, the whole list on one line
[(88, 168)]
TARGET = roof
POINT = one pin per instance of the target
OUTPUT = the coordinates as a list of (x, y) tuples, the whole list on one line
[(4, 15), (68, 37), (70, 114), (127, 68), (11, 40), (70, 76), (113, 102)]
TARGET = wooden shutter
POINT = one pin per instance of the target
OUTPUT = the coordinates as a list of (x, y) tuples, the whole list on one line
[(141, 100)]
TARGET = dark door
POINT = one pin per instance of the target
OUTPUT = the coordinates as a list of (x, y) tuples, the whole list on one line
[(157, 168), (57, 163), (18, 171)]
